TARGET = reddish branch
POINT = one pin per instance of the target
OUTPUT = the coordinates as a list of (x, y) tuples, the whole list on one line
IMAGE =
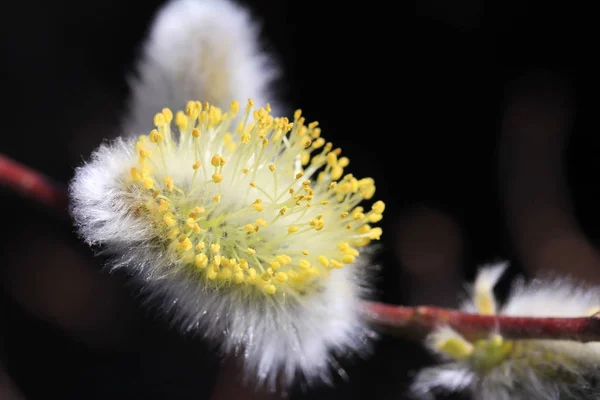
[(32, 184), (407, 322), (418, 321)]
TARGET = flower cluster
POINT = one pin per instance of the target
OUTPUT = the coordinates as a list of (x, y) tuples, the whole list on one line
[(496, 368), (246, 224)]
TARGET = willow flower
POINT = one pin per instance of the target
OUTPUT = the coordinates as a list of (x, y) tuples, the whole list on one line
[(249, 232), (199, 49), (496, 368)]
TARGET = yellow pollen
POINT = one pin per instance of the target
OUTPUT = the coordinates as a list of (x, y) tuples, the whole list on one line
[(299, 239), (217, 178)]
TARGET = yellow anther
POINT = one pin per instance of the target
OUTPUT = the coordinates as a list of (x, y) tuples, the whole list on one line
[(197, 165), (257, 205), (234, 106), (305, 252), (457, 348), (275, 264), (159, 120), (336, 264), (224, 262), (216, 261), (243, 264), (364, 229), (343, 246), (215, 160), (217, 178), (252, 184), (378, 207), (304, 264), (344, 214), (304, 157), (185, 245), (324, 261), (196, 133), (238, 277), (306, 182), (269, 289), (299, 175), (250, 228), (156, 137), (173, 233), (375, 217), (192, 108), (358, 215), (145, 153), (201, 260), (313, 125), (353, 252), (200, 246), (163, 205), (332, 159), (282, 210), (375, 233), (272, 167), (190, 223), (217, 197), (336, 172), (168, 181), (293, 229), (214, 248), (284, 259), (348, 259), (343, 162), (168, 115), (211, 274), (148, 183), (281, 277), (136, 175), (318, 143), (245, 170), (225, 274), (181, 120), (297, 114), (324, 202), (198, 210), (251, 250), (261, 222)]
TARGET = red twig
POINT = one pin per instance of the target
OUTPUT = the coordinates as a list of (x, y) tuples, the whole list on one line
[(32, 184), (398, 320), (409, 321)]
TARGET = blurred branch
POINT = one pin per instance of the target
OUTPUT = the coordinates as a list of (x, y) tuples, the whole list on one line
[(33, 185)]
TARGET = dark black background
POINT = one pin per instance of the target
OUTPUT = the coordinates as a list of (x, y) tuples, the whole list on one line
[(430, 83)]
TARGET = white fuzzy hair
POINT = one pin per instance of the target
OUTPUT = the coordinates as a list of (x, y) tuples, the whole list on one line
[(519, 376), (199, 49), (278, 342)]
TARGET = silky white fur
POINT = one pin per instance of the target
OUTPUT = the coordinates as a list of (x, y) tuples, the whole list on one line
[(301, 336), (519, 377), (199, 49)]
